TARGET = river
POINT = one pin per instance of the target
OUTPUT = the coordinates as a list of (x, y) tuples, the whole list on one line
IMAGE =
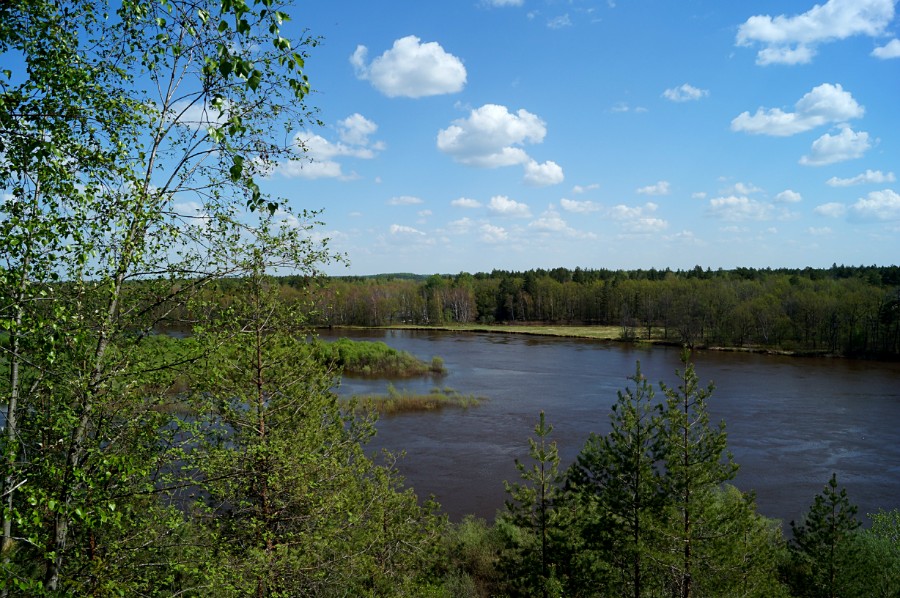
[(791, 421)]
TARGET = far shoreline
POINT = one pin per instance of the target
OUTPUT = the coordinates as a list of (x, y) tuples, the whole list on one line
[(611, 334)]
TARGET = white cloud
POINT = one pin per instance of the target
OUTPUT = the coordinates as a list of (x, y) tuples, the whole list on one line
[(793, 39), (737, 209), (320, 169), (560, 22), (645, 226), (889, 50), (698, 195), (549, 221), (825, 104), (504, 206), (832, 209), (878, 205), (463, 225), (425, 213), (465, 202), (411, 69), (317, 155), (404, 200), (399, 229), (818, 232), (493, 234), (788, 196), (356, 129), (624, 107), (828, 149), (869, 176), (501, 3), (660, 188), (491, 137), (579, 207), (578, 189), (685, 93), (543, 175), (623, 212), (742, 189)]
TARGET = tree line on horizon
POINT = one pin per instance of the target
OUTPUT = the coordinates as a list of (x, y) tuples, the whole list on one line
[(853, 311)]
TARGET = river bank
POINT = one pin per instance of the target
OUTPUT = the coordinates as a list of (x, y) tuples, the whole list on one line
[(612, 334)]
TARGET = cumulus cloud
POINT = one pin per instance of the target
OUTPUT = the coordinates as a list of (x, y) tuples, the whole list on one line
[(461, 226), (399, 229), (737, 209), (788, 196), (660, 188), (646, 226), (493, 234), (828, 149), (356, 129), (889, 50), (793, 39), (549, 221), (411, 69), (465, 202), (501, 3), (740, 188), (578, 207), (878, 205), (490, 137), (819, 231), (504, 206), (825, 104), (685, 93), (318, 154), (869, 176), (404, 200), (623, 212), (543, 175), (584, 188), (832, 209)]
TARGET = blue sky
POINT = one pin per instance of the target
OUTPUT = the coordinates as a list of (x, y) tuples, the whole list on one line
[(517, 134)]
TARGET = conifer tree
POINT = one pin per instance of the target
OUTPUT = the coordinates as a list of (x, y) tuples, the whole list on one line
[(532, 522), (291, 504), (697, 463), (823, 548), (617, 480)]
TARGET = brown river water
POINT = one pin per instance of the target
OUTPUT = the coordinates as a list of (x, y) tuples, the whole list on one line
[(791, 421)]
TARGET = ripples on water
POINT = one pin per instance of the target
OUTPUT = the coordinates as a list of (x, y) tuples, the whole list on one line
[(791, 422)]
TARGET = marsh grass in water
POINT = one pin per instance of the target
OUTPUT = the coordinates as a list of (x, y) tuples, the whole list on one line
[(376, 359), (396, 401)]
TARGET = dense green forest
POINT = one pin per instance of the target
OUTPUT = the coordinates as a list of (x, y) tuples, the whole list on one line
[(841, 310), (223, 464)]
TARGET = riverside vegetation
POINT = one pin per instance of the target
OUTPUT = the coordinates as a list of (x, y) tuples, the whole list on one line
[(228, 467)]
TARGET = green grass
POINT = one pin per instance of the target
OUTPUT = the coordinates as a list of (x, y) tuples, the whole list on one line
[(375, 359), (395, 401)]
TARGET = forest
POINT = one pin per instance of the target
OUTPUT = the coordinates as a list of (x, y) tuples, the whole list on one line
[(218, 461), (842, 310)]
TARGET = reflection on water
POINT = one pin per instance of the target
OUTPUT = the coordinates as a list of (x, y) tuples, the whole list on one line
[(791, 422)]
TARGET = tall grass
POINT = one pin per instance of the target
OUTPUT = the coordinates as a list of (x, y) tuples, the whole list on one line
[(375, 359), (396, 401)]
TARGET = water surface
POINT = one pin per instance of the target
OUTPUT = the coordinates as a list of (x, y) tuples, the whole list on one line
[(791, 421)]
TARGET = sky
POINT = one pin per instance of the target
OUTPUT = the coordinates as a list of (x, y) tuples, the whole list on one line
[(474, 135)]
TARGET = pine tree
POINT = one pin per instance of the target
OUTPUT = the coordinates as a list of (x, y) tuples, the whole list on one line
[(697, 464), (531, 522), (618, 482), (823, 548)]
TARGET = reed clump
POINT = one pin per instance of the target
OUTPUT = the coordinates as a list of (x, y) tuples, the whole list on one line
[(375, 359), (397, 401)]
